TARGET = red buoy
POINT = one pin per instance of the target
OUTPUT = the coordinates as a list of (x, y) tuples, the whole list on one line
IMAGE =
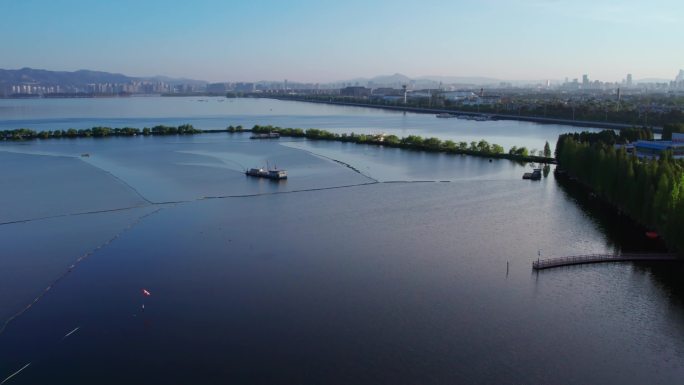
[(651, 234)]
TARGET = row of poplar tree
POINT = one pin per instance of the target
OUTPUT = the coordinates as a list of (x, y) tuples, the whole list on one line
[(649, 191)]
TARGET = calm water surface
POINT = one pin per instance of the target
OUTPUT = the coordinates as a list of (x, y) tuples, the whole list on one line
[(414, 270), (218, 113)]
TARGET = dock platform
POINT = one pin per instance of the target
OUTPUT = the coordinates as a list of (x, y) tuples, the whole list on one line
[(541, 264)]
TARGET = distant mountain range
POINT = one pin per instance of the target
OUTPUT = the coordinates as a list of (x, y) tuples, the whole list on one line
[(82, 78), (398, 79), (79, 78)]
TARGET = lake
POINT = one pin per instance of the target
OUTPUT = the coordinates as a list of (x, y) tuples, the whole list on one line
[(368, 265), (218, 112)]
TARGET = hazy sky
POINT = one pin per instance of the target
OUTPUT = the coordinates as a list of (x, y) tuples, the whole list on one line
[(321, 40)]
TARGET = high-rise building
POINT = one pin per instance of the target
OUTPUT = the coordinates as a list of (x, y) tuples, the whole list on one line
[(680, 76), (629, 80), (679, 80), (585, 79), (217, 88)]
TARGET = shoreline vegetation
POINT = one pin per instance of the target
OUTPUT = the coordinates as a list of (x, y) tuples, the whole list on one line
[(544, 115), (411, 142), (649, 192), (97, 132)]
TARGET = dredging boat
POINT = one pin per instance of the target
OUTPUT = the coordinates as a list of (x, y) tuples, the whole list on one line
[(268, 173)]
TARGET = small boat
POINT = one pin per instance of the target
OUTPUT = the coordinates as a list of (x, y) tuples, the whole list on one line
[(446, 115), (482, 118), (269, 135), (536, 174)]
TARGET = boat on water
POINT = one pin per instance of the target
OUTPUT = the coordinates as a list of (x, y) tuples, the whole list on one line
[(269, 135), (446, 115), (536, 174), (268, 173), (477, 118)]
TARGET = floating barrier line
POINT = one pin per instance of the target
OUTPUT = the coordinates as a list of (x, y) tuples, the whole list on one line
[(15, 373), (75, 214), (71, 268), (335, 160), (71, 332)]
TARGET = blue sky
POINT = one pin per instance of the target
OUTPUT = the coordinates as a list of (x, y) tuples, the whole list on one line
[(324, 40)]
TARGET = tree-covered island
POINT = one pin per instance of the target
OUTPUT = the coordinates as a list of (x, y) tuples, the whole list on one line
[(480, 148), (650, 191), (97, 132)]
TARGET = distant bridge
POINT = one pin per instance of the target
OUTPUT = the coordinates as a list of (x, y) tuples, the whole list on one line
[(541, 264)]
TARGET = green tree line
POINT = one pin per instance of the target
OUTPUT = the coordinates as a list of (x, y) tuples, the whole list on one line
[(594, 110), (672, 128), (413, 142), (97, 132), (650, 191)]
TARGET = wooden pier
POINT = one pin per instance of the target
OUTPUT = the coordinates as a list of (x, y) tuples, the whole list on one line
[(541, 264)]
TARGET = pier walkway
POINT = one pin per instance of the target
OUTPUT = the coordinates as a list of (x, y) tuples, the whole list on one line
[(541, 264)]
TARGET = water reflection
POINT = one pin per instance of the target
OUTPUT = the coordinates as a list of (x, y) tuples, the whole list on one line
[(311, 282), (50, 114), (622, 234)]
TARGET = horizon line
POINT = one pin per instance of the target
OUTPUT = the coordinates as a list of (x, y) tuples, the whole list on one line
[(355, 79)]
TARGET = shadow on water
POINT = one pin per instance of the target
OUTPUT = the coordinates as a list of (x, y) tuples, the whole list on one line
[(623, 234), (666, 276)]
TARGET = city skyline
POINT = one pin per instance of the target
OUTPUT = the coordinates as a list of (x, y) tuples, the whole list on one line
[(86, 77), (305, 41)]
